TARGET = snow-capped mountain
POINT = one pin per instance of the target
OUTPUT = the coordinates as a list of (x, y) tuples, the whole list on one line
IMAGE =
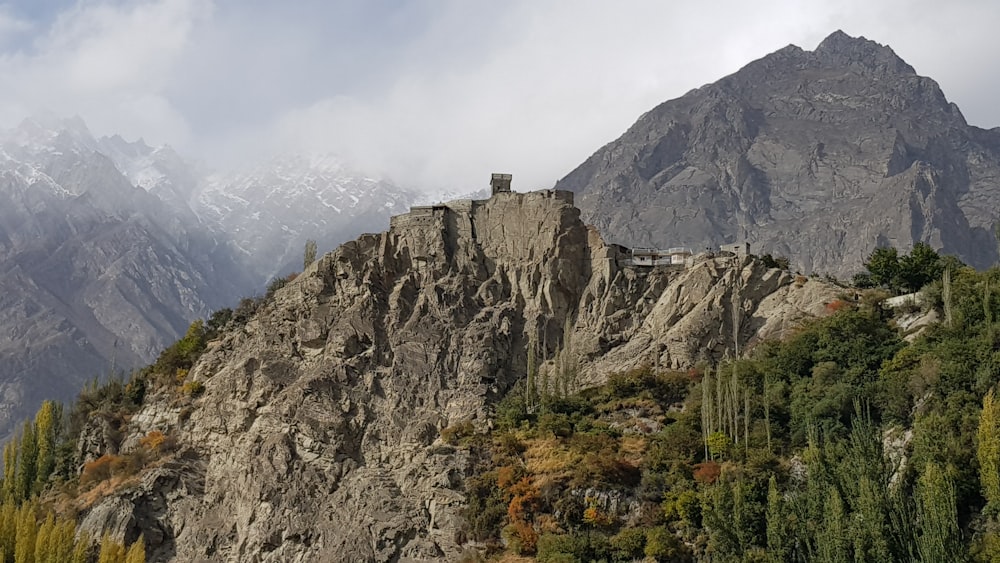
[(109, 248), (93, 270), (270, 211)]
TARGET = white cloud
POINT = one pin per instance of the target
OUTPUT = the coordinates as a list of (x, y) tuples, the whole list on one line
[(441, 93), (108, 62)]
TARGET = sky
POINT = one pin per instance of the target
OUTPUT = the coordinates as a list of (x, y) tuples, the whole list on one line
[(436, 94)]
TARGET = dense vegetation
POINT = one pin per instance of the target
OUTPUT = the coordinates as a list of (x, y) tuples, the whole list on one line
[(845, 442)]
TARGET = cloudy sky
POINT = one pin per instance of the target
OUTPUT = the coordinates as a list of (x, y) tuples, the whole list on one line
[(436, 93)]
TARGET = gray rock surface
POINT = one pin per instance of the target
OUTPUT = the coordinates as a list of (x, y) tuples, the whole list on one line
[(819, 156), (95, 276), (317, 436)]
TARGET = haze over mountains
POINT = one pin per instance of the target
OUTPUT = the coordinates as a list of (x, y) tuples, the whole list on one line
[(820, 156), (111, 248)]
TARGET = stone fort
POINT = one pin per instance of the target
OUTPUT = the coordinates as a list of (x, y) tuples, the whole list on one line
[(460, 211)]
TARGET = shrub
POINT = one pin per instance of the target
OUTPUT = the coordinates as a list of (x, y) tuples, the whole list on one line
[(556, 424), (98, 470), (628, 544), (661, 545), (193, 388), (454, 434)]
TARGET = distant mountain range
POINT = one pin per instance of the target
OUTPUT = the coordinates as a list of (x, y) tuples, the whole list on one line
[(820, 156), (110, 248)]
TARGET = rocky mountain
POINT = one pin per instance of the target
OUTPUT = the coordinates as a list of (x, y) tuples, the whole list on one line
[(820, 156), (110, 248), (317, 435), (271, 210), (93, 274)]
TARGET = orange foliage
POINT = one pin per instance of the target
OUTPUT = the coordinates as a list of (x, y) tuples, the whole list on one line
[(707, 472), (99, 469), (153, 440), (836, 305), (505, 476), (527, 535)]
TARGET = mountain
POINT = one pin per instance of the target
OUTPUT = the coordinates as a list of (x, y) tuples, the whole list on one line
[(819, 156), (110, 248), (316, 433), (272, 209), (94, 275)]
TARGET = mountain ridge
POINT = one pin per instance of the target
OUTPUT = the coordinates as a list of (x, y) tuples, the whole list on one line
[(817, 155)]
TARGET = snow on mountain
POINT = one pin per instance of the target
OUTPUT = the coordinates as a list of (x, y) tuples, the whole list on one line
[(272, 209)]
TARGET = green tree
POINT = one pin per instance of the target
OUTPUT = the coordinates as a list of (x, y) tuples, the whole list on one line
[(920, 267), (47, 432), (778, 540), (883, 265), (988, 451), (27, 527), (27, 466), (10, 470), (938, 517), (44, 540)]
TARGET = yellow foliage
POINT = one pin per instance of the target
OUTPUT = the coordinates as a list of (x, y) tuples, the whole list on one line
[(632, 447), (548, 456), (153, 440)]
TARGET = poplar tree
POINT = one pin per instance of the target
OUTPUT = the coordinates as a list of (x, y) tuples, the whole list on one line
[(46, 432), (988, 451), (27, 466), (111, 551), (44, 540), (937, 514), (24, 547), (832, 542), (136, 552), (778, 540), (9, 488)]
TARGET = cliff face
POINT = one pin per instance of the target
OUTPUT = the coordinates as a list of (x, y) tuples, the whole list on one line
[(820, 156), (317, 436)]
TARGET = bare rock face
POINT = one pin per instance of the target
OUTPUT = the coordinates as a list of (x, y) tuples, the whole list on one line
[(819, 156), (317, 437)]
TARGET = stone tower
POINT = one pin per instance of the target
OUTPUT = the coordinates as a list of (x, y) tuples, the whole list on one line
[(500, 183)]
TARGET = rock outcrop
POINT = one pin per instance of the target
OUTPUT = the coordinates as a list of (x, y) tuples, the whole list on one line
[(317, 436), (819, 156)]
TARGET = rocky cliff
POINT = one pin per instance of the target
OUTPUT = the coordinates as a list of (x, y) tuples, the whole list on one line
[(820, 156), (317, 436)]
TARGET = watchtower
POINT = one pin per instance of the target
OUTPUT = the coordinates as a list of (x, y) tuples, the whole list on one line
[(500, 183)]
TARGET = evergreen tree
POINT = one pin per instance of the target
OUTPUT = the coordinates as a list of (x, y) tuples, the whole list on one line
[(81, 550), (831, 542)]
